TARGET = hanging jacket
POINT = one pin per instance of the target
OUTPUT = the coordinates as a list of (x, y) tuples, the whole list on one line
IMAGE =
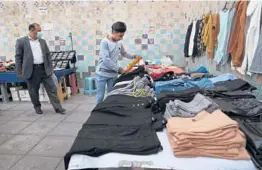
[(212, 43), (237, 39), (199, 37), (186, 46), (207, 30), (195, 48), (254, 12)]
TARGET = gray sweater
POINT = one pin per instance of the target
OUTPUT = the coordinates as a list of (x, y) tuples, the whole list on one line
[(108, 58)]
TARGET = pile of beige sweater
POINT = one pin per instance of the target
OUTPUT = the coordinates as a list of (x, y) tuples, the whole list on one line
[(207, 134)]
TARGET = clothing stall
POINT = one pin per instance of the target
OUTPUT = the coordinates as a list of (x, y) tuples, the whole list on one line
[(167, 118)]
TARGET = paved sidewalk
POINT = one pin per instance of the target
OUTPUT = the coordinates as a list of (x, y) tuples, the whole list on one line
[(38, 142)]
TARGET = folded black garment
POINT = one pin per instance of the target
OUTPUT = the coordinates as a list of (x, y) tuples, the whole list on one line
[(165, 96), (140, 71), (255, 159), (227, 94), (96, 140), (241, 108), (253, 135), (253, 138), (122, 124), (233, 85)]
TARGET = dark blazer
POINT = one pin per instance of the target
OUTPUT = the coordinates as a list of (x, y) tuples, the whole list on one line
[(186, 45), (24, 57)]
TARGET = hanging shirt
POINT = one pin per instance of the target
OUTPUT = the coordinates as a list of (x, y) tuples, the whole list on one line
[(237, 40), (222, 36), (191, 41), (254, 12), (231, 21), (36, 50)]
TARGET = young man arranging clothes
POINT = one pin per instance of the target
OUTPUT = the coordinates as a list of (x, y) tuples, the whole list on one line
[(107, 70)]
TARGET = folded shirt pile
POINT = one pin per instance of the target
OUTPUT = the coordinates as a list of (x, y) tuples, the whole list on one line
[(178, 108), (212, 135)]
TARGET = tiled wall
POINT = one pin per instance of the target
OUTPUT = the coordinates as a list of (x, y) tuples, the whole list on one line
[(155, 29)]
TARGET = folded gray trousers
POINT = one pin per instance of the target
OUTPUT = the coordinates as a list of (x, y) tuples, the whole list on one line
[(138, 87), (178, 108)]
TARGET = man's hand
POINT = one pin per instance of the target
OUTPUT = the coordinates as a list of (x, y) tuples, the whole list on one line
[(120, 70), (139, 57)]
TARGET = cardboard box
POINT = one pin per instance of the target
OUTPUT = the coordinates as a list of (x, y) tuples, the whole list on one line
[(14, 89), (43, 98), (25, 99)]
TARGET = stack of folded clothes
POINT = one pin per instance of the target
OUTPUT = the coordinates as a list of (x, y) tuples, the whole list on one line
[(178, 108), (253, 132), (212, 135)]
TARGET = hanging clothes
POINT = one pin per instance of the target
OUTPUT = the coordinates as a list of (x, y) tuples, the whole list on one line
[(215, 28), (212, 43), (195, 49), (210, 40), (222, 36), (199, 33), (256, 66), (191, 41), (231, 21), (188, 33), (205, 32), (254, 12), (237, 40)]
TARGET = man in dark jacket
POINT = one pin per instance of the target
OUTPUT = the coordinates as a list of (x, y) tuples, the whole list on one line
[(34, 65)]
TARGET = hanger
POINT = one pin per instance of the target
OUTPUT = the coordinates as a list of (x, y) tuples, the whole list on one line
[(225, 7), (233, 5)]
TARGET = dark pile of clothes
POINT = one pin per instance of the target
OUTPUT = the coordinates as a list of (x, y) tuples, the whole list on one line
[(122, 124)]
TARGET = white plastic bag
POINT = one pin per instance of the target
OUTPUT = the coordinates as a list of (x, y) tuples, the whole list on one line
[(166, 61)]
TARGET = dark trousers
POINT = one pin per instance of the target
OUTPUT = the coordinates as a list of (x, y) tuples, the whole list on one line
[(39, 76)]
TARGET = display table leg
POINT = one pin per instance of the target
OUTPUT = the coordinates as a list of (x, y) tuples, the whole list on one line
[(60, 92), (73, 84), (4, 92)]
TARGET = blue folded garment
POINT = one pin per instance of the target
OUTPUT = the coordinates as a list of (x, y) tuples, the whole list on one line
[(223, 77), (201, 69)]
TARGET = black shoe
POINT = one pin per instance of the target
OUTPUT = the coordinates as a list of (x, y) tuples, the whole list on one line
[(38, 110), (61, 111)]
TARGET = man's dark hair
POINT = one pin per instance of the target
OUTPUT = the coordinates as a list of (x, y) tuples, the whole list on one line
[(119, 27), (32, 26)]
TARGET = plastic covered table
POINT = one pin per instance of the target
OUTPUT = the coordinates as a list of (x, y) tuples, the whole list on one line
[(163, 160)]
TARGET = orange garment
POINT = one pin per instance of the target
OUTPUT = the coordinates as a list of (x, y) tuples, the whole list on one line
[(237, 40), (215, 22), (213, 33), (204, 136)]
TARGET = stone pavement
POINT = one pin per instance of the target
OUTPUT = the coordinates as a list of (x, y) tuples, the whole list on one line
[(38, 142)]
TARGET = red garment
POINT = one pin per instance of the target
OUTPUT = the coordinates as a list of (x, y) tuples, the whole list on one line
[(158, 73)]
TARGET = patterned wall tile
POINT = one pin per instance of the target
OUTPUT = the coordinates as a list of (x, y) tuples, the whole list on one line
[(80, 57)]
